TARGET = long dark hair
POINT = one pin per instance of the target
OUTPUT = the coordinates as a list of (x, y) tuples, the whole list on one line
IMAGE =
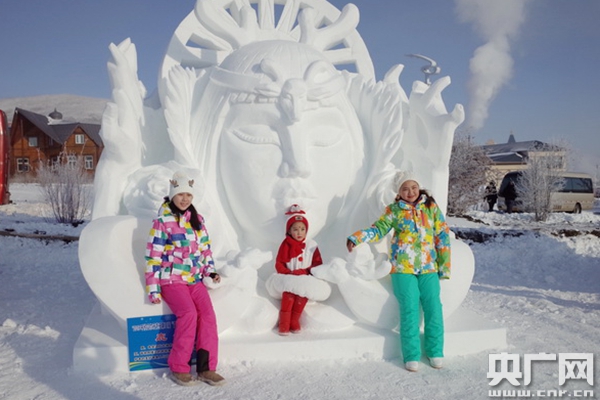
[(429, 198), (194, 220)]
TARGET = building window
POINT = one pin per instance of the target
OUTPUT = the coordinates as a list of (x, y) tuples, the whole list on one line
[(54, 163), (79, 139), (33, 141), (22, 164), (89, 162), (72, 160)]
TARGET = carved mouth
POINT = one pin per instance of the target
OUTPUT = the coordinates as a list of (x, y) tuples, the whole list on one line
[(291, 191)]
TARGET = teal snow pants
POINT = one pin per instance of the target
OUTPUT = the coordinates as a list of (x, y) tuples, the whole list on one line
[(410, 291)]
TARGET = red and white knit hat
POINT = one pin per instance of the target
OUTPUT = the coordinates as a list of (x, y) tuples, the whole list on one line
[(296, 215)]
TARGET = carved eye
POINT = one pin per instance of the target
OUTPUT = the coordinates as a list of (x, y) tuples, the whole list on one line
[(326, 137), (257, 134)]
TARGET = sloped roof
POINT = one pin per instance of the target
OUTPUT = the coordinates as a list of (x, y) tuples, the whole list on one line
[(60, 132), (514, 147), (508, 158)]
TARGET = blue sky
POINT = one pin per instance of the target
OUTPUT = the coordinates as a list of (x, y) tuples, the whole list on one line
[(551, 93)]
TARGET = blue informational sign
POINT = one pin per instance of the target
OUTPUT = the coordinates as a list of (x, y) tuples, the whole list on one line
[(149, 341)]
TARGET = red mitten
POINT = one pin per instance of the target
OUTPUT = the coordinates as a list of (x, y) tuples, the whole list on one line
[(300, 272)]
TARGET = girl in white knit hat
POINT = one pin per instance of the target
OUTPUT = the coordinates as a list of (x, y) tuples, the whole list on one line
[(420, 257), (178, 258)]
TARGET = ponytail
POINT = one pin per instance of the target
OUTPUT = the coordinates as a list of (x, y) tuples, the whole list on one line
[(429, 200)]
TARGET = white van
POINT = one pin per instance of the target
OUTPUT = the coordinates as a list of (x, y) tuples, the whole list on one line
[(577, 193)]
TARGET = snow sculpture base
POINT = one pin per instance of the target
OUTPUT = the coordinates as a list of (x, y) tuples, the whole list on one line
[(102, 345)]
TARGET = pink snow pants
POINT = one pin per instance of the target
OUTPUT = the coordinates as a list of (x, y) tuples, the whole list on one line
[(196, 322)]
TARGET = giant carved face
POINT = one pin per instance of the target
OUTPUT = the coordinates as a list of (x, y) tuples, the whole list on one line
[(292, 139)]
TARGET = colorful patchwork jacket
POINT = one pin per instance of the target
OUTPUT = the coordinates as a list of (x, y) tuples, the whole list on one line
[(175, 253), (421, 241)]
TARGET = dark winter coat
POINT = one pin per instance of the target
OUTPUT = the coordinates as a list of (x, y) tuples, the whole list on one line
[(491, 194)]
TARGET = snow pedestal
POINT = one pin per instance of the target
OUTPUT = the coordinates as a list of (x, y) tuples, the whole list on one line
[(102, 345), (466, 333)]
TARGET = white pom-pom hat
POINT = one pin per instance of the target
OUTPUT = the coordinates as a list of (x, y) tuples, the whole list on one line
[(404, 176), (180, 183)]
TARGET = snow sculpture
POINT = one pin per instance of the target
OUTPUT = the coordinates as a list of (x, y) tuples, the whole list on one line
[(265, 113)]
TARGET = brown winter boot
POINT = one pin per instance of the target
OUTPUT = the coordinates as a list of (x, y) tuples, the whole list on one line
[(284, 322), (202, 368), (183, 379), (211, 377)]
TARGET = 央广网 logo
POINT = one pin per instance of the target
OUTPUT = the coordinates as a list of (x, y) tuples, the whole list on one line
[(571, 366)]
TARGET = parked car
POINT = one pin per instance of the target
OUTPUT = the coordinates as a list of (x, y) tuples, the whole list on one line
[(577, 193)]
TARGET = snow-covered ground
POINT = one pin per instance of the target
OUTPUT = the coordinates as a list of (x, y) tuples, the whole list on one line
[(539, 280)]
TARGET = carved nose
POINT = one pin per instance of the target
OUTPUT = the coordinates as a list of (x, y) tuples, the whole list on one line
[(292, 98), (295, 154)]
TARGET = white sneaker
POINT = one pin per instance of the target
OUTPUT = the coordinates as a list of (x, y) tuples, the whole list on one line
[(436, 362), (412, 366)]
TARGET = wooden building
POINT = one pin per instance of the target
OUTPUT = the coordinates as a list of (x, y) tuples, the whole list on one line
[(37, 138)]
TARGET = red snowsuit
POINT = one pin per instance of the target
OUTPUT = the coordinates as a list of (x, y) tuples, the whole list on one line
[(292, 304)]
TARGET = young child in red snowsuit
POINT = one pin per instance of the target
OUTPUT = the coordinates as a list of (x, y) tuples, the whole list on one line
[(296, 256)]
